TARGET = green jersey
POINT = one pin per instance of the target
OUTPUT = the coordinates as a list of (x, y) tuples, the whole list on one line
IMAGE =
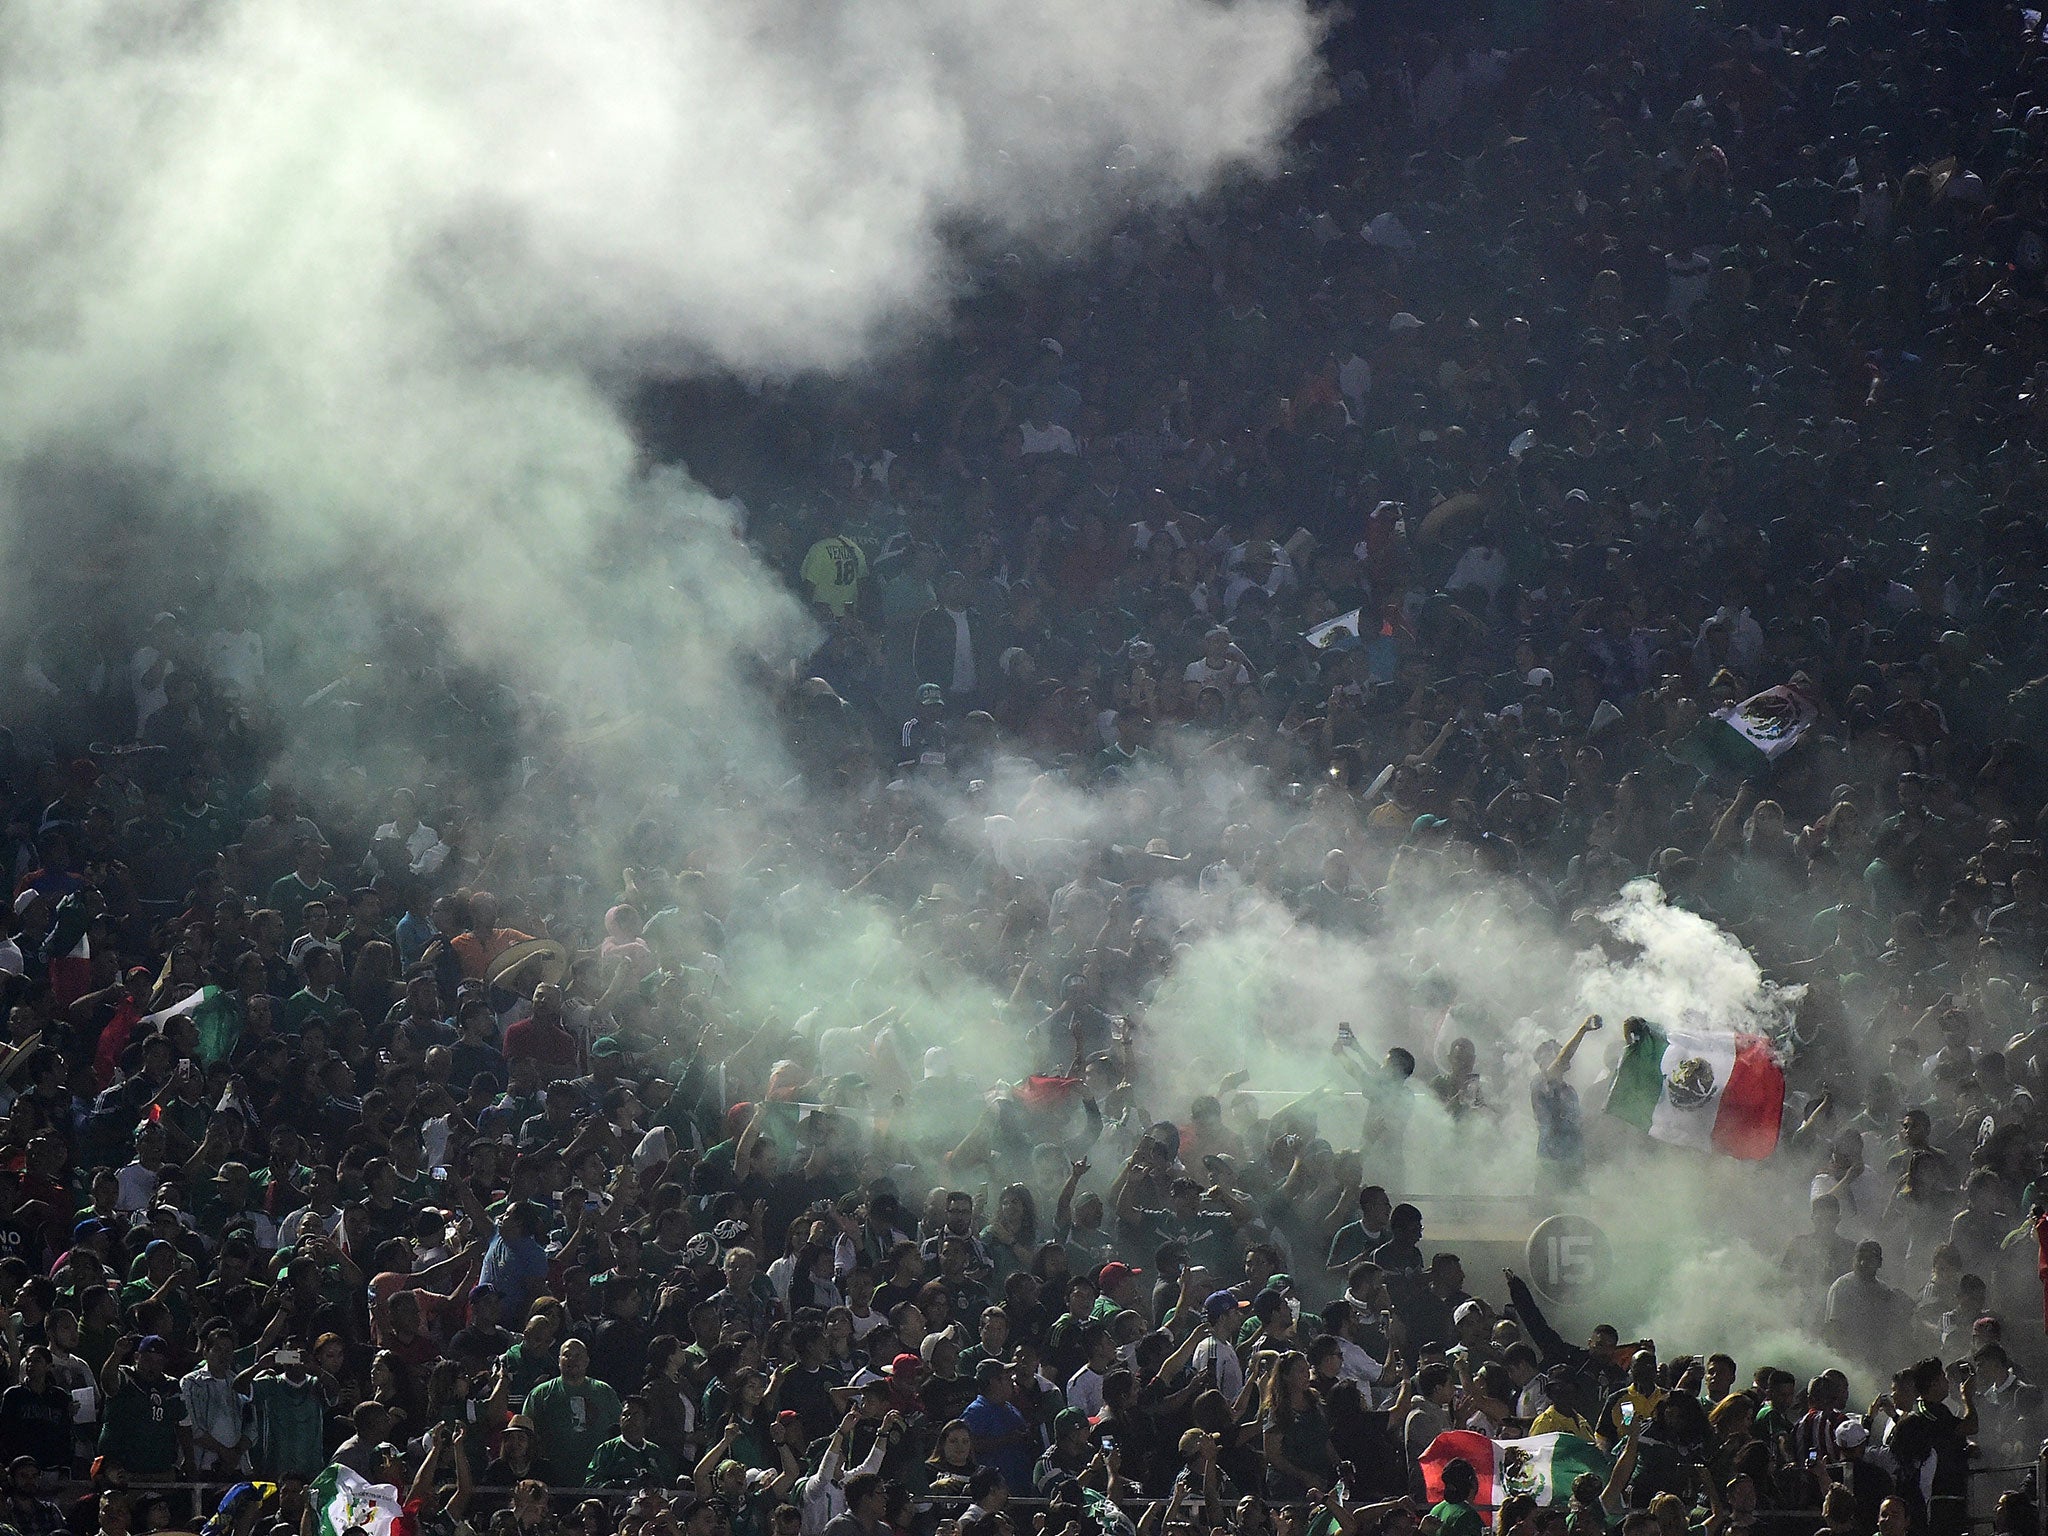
[(619, 1465), (572, 1422), (141, 1426)]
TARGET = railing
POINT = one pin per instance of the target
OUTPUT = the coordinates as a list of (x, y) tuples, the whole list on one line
[(202, 1496)]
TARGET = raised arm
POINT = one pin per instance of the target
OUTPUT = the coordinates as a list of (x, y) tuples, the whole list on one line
[(704, 1474), (1063, 1214), (1616, 1488), (1561, 1062)]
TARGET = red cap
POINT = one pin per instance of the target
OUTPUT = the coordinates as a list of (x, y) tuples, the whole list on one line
[(904, 1365), (789, 1416), (1115, 1272)]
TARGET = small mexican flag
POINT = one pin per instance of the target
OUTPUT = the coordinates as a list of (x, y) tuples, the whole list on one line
[(1342, 632), (1719, 1091), (217, 1016), (342, 1499), (1747, 738), (1542, 1466), (1772, 721)]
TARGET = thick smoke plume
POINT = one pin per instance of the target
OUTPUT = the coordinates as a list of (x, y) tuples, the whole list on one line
[(338, 285), (332, 306)]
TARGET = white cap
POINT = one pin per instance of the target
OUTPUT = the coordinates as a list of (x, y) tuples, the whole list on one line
[(1851, 1433), (937, 1063), (1468, 1309), (1539, 677), (1403, 321)]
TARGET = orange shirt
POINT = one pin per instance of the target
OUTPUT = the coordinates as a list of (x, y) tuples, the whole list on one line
[(476, 954)]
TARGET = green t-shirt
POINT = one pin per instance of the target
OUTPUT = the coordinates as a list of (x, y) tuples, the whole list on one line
[(135, 1292), (141, 1427), (571, 1423), (619, 1465), (526, 1369), (289, 1430), (1457, 1520), (289, 895), (303, 1005)]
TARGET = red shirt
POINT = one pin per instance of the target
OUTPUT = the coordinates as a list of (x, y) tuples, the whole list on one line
[(547, 1043)]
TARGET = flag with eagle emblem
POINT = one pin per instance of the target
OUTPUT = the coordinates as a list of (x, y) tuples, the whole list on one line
[(342, 1501), (1719, 1092), (1541, 1466)]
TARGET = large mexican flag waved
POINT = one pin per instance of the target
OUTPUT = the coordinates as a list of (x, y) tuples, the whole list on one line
[(216, 1015), (1542, 1466), (1719, 1092), (342, 1499)]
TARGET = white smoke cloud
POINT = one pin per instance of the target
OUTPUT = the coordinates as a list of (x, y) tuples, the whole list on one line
[(1678, 969), (351, 272)]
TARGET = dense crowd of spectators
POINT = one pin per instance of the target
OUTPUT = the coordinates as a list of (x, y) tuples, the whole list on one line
[(1610, 364)]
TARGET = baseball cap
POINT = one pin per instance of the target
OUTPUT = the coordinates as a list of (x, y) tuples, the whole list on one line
[(1218, 1304), (479, 1291), (1113, 1273), (1467, 1309), (91, 1227), (1068, 1418), (1852, 1433), (930, 693), (153, 1341), (606, 1046), (904, 1365)]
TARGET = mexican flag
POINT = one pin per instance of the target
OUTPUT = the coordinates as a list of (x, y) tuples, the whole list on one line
[(218, 1018), (1342, 631), (1772, 721), (1750, 736), (342, 1499), (1720, 1091), (1542, 1466)]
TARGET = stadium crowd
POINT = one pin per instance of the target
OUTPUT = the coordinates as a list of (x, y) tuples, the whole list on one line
[(1611, 363)]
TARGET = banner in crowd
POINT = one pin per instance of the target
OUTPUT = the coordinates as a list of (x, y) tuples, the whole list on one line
[(342, 1499), (1720, 1092), (215, 1016), (1340, 631), (1761, 729), (1541, 1466)]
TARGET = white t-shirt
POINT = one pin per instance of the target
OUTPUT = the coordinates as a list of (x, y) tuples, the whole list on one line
[(867, 1322), (305, 1218), (1084, 1391), (1354, 1364), (1228, 1373), (963, 652), (1230, 674), (137, 1185), (1863, 1201), (1051, 438)]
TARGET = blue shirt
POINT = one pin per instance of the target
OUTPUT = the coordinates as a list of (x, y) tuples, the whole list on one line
[(414, 934), (990, 1421), (514, 1270)]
